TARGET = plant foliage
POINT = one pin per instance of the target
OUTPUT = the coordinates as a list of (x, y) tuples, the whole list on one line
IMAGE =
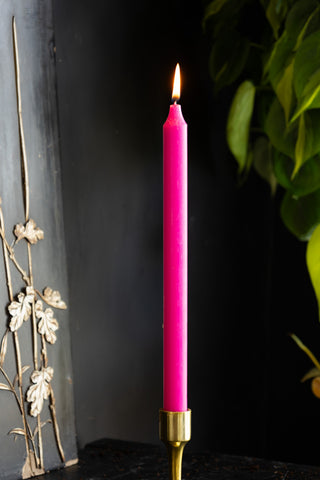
[(269, 50)]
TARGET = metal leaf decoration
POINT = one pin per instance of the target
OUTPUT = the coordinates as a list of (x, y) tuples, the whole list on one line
[(53, 298), (29, 231), (40, 391), (26, 306), (47, 325)]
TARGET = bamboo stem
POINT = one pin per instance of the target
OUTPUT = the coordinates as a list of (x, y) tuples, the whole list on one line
[(19, 366), (40, 441), (16, 342), (27, 208), (52, 403), (20, 408), (34, 322), (21, 130), (44, 352), (55, 423)]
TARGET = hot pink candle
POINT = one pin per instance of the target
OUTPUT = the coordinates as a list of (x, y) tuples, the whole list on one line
[(175, 256)]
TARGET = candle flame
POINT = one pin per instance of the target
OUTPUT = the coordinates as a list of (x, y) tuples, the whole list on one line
[(176, 84)]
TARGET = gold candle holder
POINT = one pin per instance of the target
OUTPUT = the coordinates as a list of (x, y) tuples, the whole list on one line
[(175, 432)]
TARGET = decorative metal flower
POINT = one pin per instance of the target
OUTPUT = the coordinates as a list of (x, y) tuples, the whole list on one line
[(47, 325), (53, 298), (21, 310), (40, 391), (30, 232)]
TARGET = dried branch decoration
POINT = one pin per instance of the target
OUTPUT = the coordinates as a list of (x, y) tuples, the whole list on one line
[(27, 306)]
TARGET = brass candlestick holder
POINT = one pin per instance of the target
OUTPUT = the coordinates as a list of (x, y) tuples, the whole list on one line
[(175, 432)]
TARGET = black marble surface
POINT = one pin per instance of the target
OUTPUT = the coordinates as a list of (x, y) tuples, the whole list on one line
[(115, 459)]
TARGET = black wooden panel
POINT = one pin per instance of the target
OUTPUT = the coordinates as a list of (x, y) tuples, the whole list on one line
[(35, 39)]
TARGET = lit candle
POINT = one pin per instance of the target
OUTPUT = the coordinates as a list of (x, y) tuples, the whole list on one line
[(175, 256)]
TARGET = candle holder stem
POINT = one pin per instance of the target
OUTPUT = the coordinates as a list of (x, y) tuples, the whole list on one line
[(175, 432)]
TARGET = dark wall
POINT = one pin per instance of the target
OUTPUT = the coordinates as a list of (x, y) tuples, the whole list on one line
[(248, 285)]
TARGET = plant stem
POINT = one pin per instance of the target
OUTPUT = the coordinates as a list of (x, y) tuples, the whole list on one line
[(12, 257), (27, 208), (34, 322), (306, 350), (55, 423), (18, 357), (44, 352), (21, 130), (52, 402), (20, 408), (41, 464), (16, 341), (28, 279)]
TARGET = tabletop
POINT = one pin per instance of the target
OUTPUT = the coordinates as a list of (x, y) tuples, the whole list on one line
[(116, 459)]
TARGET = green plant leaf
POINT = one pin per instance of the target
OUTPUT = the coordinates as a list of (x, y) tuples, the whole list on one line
[(313, 262), (227, 58), (308, 141), (221, 15), (301, 20), (262, 106), (306, 181), (262, 162), (213, 8), (306, 64), (280, 57), (301, 145), (284, 89), (239, 120), (286, 138), (275, 14), (310, 97), (281, 68), (312, 119), (281, 137), (301, 215)]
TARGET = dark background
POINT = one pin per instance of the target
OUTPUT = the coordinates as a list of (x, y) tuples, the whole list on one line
[(248, 284)]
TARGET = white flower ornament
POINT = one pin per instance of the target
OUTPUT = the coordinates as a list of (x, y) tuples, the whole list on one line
[(47, 325), (40, 391), (29, 231), (21, 310)]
